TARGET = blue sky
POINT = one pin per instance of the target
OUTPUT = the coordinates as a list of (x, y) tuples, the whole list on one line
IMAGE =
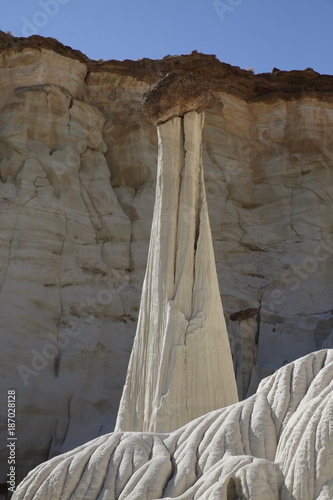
[(287, 34)]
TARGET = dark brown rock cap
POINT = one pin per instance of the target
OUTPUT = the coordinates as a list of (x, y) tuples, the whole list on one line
[(175, 94)]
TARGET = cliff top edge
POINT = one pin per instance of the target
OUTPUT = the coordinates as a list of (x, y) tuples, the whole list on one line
[(221, 76)]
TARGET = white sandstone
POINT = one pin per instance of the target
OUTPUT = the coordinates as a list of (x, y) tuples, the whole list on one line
[(276, 445), (181, 365)]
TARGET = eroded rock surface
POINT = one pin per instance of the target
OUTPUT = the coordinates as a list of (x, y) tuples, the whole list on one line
[(78, 176), (181, 365), (276, 445), (64, 260)]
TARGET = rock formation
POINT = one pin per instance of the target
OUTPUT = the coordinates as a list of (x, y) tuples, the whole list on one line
[(176, 94), (181, 365), (73, 258), (276, 445)]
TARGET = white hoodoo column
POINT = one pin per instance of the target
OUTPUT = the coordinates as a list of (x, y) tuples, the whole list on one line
[(180, 366)]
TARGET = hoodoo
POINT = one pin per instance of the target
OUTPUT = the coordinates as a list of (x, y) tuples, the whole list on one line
[(181, 365)]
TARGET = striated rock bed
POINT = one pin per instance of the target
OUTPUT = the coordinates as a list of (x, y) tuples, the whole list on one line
[(275, 445), (78, 174)]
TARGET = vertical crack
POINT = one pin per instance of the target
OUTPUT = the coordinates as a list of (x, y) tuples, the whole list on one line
[(52, 441), (291, 213), (57, 358), (56, 361), (178, 202), (69, 420), (257, 335), (11, 240)]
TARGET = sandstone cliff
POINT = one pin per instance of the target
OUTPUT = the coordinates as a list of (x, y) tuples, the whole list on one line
[(78, 173)]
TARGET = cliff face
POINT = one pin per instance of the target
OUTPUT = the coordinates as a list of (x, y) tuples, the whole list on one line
[(78, 172)]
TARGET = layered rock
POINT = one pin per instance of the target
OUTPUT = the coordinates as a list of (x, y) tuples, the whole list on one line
[(276, 445), (181, 365), (267, 155), (64, 256)]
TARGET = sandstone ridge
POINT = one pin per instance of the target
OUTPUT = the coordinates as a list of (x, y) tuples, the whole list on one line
[(273, 446)]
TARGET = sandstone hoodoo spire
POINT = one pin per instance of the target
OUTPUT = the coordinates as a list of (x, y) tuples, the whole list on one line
[(181, 365)]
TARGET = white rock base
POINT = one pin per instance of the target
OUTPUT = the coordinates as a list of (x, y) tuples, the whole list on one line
[(181, 365), (277, 444)]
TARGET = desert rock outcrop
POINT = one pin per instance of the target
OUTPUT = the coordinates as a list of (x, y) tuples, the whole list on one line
[(276, 445), (78, 176), (181, 365)]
